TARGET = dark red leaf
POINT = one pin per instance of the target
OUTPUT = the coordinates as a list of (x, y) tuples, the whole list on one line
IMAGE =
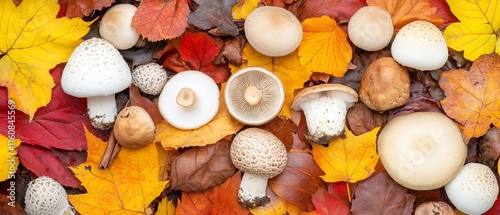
[(340, 192), (81, 8), (443, 10), (327, 204), (340, 10)]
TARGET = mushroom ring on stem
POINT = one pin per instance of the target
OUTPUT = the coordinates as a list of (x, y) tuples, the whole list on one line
[(189, 100), (325, 107), (254, 95), (260, 155), (97, 70)]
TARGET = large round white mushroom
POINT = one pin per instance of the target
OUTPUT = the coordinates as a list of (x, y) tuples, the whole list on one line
[(370, 28), (116, 26)]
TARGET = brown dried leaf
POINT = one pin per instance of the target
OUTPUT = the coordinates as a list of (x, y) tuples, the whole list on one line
[(489, 147), (170, 59), (215, 16), (282, 128), (9, 206), (361, 119), (231, 51), (137, 99), (420, 100)]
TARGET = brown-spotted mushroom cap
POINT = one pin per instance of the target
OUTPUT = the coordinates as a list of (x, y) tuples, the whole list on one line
[(189, 100), (325, 107), (434, 208), (260, 155), (45, 196), (150, 78), (134, 128), (385, 85), (422, 150), (116, 26), (254, 95), (370, 28)]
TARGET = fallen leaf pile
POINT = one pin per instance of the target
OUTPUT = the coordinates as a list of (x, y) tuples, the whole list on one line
[(45, 132)]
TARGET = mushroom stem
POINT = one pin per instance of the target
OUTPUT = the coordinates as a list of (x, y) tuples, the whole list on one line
[(252, 192), (252, 95), (102, 111), (185, 97), (325, 118)]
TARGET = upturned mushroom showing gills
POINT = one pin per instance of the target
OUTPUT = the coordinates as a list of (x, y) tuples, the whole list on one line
[(45, 196), (189, 100), (260, 155), (254, 95), (97, 71), (325, 107)]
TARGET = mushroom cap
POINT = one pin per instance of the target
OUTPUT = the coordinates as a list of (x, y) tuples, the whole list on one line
[(258, 151), (45, 196), (333, 90), (116, 26), (422, 150), (206, 103), (150, 78), (474, 190), (273, 31), (420, 45), (272, 95), (440, 208), (385, 85), (370, 28), (95, 68), (134, 128)]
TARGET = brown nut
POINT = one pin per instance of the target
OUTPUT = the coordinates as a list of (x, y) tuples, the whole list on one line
[(134, 128), (384, 85)]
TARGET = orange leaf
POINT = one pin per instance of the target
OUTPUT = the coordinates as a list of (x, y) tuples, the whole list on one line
[(472, 97), (219, 200), (404, 12), (158, 20)]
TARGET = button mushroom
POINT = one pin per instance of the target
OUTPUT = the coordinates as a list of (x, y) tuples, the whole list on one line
[(385, 85), (116, 26), (260, 155), (434, 208), (189, 100), (370, 28), (273, 31), (254, 95), (134, 128), (422, 150), (96, 70), (420, 45), (150, 78), (45, 196), (474, 190), (325, 107)]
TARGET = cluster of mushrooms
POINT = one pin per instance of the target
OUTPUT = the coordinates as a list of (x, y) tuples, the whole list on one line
[(420, 151)]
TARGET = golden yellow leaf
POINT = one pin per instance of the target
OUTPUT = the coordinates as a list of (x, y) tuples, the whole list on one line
[(166, 207), (33, 41), (220, 126), (244, 7), (277, 206), (324, 47), (287, 68), (8, 157), (478, 30), (127, 187), (351, 159)]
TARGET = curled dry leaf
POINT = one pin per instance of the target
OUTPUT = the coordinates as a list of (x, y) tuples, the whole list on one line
[(361, 119), (170, 58), (138, 100), (200, 168), (420, 101), (231, 51), (214, 16), (489, 147)]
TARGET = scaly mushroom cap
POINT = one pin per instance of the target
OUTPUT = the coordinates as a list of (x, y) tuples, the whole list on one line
[(150, 78), (258, 152), (254, 95), (45, 196), (134, 128), (370, 28), (116, 26), (434, 208), (384, 85)]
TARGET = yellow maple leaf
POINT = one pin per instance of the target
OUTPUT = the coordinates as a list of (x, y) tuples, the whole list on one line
[(33, 41), (276, 206), (166, 207), (219, 127), (351, 159), (287, 68), (478, 31), (127, 186), (244, 7), (8, 157)]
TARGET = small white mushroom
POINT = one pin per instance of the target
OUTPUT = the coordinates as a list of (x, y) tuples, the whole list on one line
[(150, 78), (116, 26), (45, 196), (370, 28)]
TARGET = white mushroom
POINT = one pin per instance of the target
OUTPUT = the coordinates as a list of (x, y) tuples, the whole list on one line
[(189, 100), (325, 107), (370, 28), (150, 78), (273, 31), (97, 71), (116, 26), (420, 45), (45, 196), (254, 95), (260, 155)]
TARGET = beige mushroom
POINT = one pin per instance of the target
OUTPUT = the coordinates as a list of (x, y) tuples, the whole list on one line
[(116, 26), (45, 196), (370, 28), (150, 78), (434, 208), (134, 128)]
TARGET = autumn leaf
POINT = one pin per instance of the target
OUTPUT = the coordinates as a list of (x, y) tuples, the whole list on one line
[(81, 8), (404, 12), (32, 41), (472, 97), (127, 186), (8, 157), (349, 159), (157, 19), (324, 47), (276, 206), (287, 68), (477, 32), (220, 126), (219, 200), (244, 7), (340, 10), (214, 16), (327, 204), (166, 207)]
